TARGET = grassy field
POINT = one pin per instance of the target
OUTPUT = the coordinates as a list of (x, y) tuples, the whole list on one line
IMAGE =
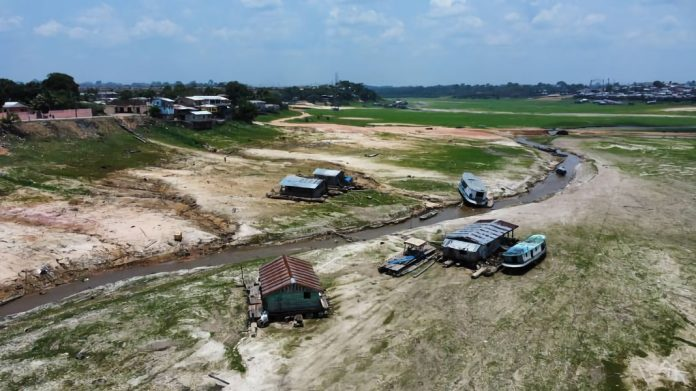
[(651, 157), (280, 115), (42, 164), (177, 314), (506, 113), (541, 106), (230, 135)]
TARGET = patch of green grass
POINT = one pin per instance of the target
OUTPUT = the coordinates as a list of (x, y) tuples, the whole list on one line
[(379, 347), (388, 319), (40, 163), (422, 185), (234, 359), (229, 135), (496, 120), (280, 115), (453, 159)]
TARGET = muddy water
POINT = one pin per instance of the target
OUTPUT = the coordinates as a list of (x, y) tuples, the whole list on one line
[(542, 190)]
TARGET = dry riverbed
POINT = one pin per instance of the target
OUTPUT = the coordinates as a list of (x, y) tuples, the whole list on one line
[(611, 307)]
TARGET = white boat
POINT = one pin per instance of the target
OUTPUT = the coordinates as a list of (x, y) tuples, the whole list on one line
[(525, 252), (472, 190)]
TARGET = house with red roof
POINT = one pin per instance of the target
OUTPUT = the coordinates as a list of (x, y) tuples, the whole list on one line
[(289, 286)]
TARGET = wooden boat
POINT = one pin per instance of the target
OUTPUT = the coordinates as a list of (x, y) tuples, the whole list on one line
[(416, 251), (428, 215), (473, 191), (525, 252)]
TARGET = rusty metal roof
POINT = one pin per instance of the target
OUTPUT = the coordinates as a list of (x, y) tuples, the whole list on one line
[(482, 231), (285, 271)]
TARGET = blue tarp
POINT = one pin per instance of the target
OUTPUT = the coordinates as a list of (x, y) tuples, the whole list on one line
[(402, 260)]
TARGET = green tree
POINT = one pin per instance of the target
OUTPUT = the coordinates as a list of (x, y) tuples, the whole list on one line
[(245, 112), (61, 82), (237, 92), (154, 112), (41, 103), (125, 94)]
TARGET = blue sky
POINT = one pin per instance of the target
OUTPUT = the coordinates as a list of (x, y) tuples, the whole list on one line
[(378, 42)]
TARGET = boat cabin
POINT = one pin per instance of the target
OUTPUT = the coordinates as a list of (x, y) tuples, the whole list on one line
[(473, 190), (525, 252), (477, 241), (289, 286), (335, 178), (296, 186)]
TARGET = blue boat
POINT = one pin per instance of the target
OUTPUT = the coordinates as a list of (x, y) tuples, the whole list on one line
[(525, 252), (472, 190)]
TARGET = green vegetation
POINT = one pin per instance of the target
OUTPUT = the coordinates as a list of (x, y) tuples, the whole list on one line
[(494, 120), (540, 106), (453, 159), (279, 115), (651, 157), (228, 136), (40, 163), (422, 185), (164, 309)]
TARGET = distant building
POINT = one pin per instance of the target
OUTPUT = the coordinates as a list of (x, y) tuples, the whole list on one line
[(297, 186), (476, 241), (14, 107), (131, 106), (333, 177), (213, 103), (165, 105), (199, 119), (289, 286)]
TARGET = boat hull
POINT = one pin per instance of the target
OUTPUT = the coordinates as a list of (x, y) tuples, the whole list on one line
[(472, 201), (531, 261)]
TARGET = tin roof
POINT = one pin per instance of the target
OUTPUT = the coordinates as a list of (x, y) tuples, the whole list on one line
[(473, 182), (459, 245), (305, 183), (526, 245), (326, 172), (206, 97), (9, 105), (482, 231), (201, 112), (285, 271), (163, 99), (415, 241)]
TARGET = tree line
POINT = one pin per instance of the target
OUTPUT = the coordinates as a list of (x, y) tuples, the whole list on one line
[(487, 91), (57, 91)]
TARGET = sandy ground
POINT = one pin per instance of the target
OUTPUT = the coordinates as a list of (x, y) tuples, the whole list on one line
[(343, 352), (208, 197), (685, 108), (408, 129)]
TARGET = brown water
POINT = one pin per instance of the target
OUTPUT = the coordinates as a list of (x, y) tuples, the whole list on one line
[(542, 190)]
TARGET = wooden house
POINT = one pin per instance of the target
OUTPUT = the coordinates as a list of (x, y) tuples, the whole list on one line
[(289, 286)]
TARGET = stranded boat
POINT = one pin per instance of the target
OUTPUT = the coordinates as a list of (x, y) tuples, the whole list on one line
[(560, 170), (525, 252), (473, 191)]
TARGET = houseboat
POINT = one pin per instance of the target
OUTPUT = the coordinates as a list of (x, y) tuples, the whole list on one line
[(525, 252), (473, 191)]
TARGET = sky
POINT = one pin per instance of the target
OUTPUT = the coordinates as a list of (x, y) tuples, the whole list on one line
[(377, 42)]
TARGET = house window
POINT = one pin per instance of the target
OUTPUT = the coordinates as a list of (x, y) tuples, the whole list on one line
[(307, 295)]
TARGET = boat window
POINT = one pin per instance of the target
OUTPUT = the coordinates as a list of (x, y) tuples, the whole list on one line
[(479, 194), (543, 246)]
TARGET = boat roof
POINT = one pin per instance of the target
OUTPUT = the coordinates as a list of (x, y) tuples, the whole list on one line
[(459, 245), (297, 181), (473, 182), (525, 245), (326, 172), (414, 241), (482, 231)]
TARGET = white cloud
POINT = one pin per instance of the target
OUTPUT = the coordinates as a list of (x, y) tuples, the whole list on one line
[(441, 8), (361, 24), (591, 19), (261, 3), (49, 28), (549, 16), (10, 22), (152, 27), (512, 17)]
